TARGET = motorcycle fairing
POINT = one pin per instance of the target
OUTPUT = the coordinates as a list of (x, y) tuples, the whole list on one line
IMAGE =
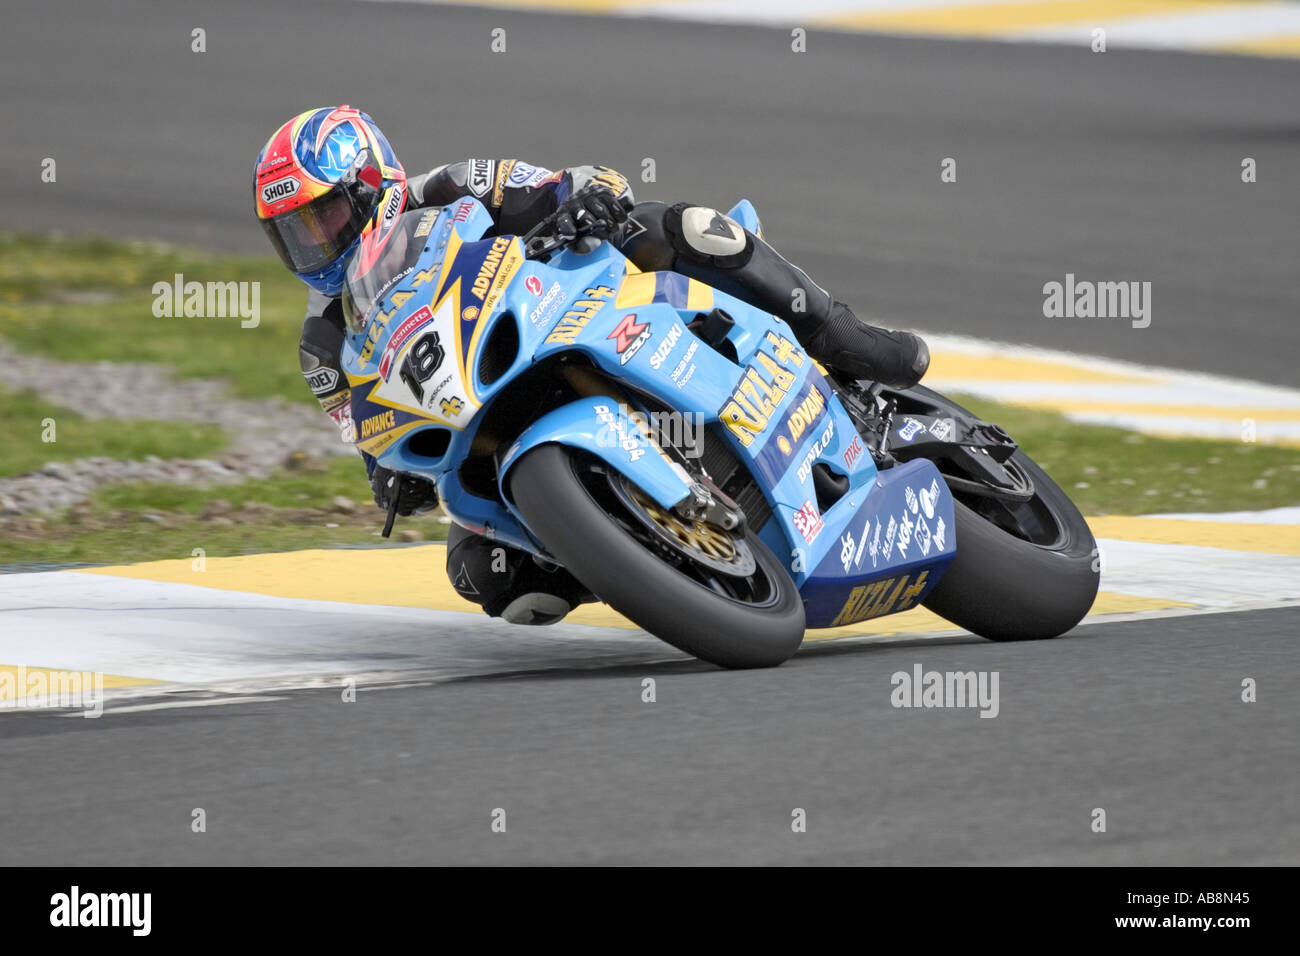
[(771, 404)]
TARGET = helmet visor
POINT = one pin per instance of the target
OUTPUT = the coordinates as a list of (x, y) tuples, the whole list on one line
[(311, 237)]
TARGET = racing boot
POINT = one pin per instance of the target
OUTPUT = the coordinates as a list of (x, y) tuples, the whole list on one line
[(705, 244), (508, 583)]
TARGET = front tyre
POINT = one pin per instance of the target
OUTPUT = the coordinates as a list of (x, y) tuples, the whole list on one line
[(570, 502)]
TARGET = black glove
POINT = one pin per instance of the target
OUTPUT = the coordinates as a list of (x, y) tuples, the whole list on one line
[(415, 496), (594, 202)]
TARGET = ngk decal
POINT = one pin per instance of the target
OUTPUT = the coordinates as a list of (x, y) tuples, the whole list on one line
[(905, 534)]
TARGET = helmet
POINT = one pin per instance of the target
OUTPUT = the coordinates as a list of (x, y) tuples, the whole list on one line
[(323, 181)]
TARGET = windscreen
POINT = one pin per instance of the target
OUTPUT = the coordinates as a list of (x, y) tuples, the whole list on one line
[(380, 263)]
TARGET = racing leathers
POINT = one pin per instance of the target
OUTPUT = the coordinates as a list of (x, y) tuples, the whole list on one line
[(694, 240)]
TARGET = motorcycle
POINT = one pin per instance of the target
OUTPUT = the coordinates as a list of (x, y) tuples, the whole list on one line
[(678, 452)]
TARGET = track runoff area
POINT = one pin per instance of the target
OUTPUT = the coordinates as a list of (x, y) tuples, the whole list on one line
[(194, 632)]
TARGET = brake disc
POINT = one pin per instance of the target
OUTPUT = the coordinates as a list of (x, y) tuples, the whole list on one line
[(699, 541)]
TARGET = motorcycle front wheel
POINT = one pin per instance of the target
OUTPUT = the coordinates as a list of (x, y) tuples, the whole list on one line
[(721, 597)]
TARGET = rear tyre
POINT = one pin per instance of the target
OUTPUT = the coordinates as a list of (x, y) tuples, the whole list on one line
[(1006, 588)]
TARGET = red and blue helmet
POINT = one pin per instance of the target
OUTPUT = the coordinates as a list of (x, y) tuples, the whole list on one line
[(324, 181)]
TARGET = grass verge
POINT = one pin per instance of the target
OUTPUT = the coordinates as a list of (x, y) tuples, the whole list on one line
[(1114, 471), (85, 300), (27, 421)]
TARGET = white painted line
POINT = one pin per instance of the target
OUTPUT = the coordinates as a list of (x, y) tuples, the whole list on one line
[(1216, 27), (1277, 516), (1207, 577), (1243, 390), (178, 704)]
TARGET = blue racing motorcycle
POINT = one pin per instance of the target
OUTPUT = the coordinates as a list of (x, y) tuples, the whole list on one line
[(677, 451)]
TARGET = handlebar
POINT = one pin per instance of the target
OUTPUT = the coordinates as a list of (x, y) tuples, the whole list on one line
[(542, 239)]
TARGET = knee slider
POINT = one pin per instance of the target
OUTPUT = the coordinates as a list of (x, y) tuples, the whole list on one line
[(704, 235)]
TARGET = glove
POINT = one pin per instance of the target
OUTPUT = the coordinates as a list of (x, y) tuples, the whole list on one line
[(594, 202), (415, 496)]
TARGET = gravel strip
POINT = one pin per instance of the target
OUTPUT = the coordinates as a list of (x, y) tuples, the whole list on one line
[(265, 434)]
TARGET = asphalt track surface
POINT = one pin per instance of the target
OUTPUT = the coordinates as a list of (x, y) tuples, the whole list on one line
[(1142, 719), (1116, 166), (1122, 166)]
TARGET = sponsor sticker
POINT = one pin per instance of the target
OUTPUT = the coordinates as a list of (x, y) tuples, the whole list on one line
[(280, 189), (393, 208), (503, 175), (629, 439), (911, 428), (853, 452), (819, 446), (342, 415), (488, 268), (927, 498), (685, 368), (378, 423), (524, 175), (480, 176), (862, 544), (322, 380), (809, 521), (763, 386), (576, 319), (905, 527), (878, 598), (665, 348), (426, 223), (533, 285), (847, 547), (400, 335), (942, 429), (545, 311), (628, 337)]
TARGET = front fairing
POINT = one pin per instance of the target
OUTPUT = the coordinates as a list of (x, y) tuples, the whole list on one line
[(417, 370)]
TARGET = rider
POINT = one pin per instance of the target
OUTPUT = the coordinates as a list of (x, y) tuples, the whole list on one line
[(327, 177)]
